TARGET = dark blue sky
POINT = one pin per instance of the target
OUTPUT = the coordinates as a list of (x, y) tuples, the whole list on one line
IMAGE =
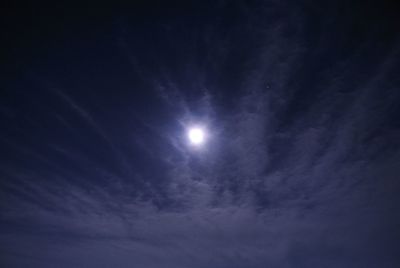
[(300, 168)]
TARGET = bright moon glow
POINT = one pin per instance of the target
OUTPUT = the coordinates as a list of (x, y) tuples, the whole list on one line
[(196, 135)]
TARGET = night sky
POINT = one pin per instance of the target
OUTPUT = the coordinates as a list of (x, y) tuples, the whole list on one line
[(299, 102)]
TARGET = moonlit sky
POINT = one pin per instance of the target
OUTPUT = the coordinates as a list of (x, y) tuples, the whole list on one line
[(298, 102)]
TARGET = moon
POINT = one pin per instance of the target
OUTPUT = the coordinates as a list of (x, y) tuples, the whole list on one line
[(196, 135)]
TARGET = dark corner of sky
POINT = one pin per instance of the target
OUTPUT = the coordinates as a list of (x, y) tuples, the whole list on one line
[(218, 134)]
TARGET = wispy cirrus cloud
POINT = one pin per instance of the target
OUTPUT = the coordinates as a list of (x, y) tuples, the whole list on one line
[(300, 169)]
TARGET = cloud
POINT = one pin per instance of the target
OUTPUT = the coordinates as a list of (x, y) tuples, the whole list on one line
[(300, 171)]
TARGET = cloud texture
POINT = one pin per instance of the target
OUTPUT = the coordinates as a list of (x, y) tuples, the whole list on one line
[(301, 168)]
